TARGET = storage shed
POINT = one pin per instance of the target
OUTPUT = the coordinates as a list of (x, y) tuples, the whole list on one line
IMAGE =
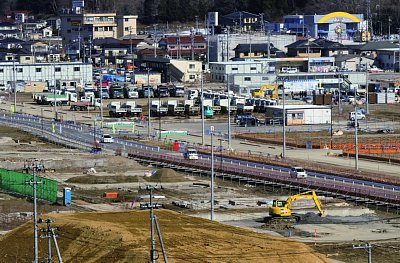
[(298, 114)]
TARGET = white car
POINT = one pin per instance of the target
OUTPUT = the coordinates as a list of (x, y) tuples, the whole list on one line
[(191, 154), (298, 172), (107, 138)]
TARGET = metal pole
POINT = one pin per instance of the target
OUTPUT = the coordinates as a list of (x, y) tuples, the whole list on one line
[(229, 114), (284, 121), (149, 103), (155, 40), (159, 115), (101, 100), (369, 252), (153, 242), (356, 135), (41, 119), (366, 92), (212, 176), (202, 109), (161, 240), (48, 221), (56, 245), (331, 142), (35, 234), (15, 87)]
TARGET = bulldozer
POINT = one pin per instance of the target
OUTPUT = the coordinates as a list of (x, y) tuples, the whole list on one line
[(266, 91), (282, 209)]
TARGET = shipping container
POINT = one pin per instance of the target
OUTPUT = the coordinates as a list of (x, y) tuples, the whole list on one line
[(372, 98), (381, 98), (111, 195), (390, 98)]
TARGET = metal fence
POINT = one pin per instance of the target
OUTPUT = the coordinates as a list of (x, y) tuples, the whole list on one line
[(16, 182)]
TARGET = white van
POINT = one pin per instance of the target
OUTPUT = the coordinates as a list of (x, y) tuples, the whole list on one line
[(360, 116)]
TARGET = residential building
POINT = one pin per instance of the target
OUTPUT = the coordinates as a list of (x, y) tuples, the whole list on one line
[(126, 25), (241, 21), (182, 46), (386, 54), (42, 72), (222, 46), (259, 50), (85, 26), (315, 48)]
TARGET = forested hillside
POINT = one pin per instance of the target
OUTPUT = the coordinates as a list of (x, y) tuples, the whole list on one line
[(162, 11)]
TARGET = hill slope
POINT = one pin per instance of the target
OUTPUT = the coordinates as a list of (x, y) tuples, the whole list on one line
[(125, 237)]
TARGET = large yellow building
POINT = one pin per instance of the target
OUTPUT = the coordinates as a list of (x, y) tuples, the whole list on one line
[(85, 26)]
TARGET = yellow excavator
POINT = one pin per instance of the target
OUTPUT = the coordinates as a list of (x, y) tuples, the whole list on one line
[(266, 91), (283, 209)]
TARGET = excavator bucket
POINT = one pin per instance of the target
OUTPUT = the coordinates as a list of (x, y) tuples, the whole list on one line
[(323, 214)]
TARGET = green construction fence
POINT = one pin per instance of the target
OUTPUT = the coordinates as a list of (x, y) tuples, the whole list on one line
[(16, 182)]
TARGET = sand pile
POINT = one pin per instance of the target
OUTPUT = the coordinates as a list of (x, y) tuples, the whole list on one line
[(166, 175)]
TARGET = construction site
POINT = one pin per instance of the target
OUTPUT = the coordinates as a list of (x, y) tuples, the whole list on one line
[(107, 220)]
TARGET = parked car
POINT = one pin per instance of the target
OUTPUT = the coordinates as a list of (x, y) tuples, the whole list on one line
[(308, 100), (375, 69), (298, 172)]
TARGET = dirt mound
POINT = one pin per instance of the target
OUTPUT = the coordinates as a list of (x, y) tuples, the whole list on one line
[(166, 175), (125, 237)]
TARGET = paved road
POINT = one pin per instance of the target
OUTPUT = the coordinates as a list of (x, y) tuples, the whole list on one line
[(317, 156)]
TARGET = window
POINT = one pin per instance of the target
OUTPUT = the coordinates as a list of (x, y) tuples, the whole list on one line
[(27, 58), (234, 68), (38, 70), (247, 79), (77, 69), (58, 69), (1, 70), (192, 76), (253, 68), (96, 28), (20, 70), (126, 19), (126, 28), (69, 31), (110, 28), (192, 66)]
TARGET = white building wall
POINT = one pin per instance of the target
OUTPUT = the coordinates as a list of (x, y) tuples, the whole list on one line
[(317, 116), (42, 72), (219, 70)]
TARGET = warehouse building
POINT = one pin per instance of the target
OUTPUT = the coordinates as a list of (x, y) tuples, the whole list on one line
[(43, 72), (299, 114)]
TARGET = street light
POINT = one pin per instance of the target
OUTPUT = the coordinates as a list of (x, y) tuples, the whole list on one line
[(284, 120), (202, 108), (229, 113), (149, 102), (212, 173), (356, 104)]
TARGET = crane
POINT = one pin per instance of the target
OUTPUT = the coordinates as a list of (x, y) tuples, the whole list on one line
[(283, 209)]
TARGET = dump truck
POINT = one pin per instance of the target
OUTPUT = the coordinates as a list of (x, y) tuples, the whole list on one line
[(282, 209), (176, 108), (131, 108), (116, 91), (159, 108), (191, 108), (85, 105)]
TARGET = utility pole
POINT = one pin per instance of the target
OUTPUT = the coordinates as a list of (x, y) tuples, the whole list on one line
[(149, 102), (133, 59), (50, 235), (35, 166), (202, 108), (14, 86), (284, 121), (369, 249), (229, 113), (192, 41), (227, 43), (212, 173), (154, 222), (155, 40)]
